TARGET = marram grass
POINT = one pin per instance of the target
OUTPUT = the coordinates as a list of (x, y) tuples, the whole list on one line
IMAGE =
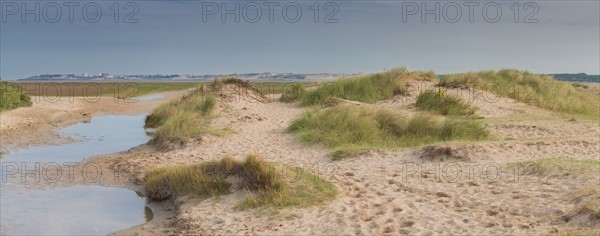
[(346, 128), (538, 90), (366, 88), (443, 104), (180, 120), (265, 183)]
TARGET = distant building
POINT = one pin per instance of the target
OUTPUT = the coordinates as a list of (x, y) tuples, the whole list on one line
[(106, 75)]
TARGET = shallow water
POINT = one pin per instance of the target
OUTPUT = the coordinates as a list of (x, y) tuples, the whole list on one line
[(79, 210), (149, 97), (102, 135), (76, 210)]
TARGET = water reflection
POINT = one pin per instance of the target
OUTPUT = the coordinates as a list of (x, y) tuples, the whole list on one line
[(149, 97), (77, 210)]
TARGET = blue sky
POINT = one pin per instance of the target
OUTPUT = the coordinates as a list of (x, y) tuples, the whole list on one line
[(170, 37)]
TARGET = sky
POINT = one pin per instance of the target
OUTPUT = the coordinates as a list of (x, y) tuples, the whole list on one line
[(203, 37)]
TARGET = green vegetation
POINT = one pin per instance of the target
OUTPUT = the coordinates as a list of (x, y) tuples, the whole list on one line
[(144, 88), (539, 90), (304, 190), (367, 88), (180, 120), (208, 106), (292, 93), (94, 89), (12, 97), (218, 84), (131, 89), (557, 166), (209, 179), (275, 87), (267, 184), (444, 104), (350, 128)]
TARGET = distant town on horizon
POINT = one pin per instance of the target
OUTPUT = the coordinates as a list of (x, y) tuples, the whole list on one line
[(264, 76)]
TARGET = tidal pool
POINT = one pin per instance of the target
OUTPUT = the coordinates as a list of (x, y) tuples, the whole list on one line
[(74, 210), (149, 97)]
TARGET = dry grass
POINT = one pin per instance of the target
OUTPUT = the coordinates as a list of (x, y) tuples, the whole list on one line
[(303, 190), (209, 179), (587, 204), (266, 184)]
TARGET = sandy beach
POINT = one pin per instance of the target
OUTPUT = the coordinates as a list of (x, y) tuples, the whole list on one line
[(455, 188)]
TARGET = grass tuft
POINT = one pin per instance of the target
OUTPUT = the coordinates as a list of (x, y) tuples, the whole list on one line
[(178, 128), (539, 90), (292, 93), (304, 190), (180, 120), (459, 129), (350, 128), (447, 105), (218, 84), (207, 106), (267, 185), (367, 88)]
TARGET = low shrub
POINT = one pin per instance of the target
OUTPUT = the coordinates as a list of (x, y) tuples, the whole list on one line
[(444, 104)]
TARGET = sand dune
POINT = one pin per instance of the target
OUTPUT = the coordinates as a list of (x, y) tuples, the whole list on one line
[(450, 188), (395, 191)]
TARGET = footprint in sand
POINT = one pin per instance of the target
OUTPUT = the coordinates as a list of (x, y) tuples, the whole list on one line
[(406, 224)]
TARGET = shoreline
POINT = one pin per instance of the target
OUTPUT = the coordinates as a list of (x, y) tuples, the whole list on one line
[(40, 124)]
